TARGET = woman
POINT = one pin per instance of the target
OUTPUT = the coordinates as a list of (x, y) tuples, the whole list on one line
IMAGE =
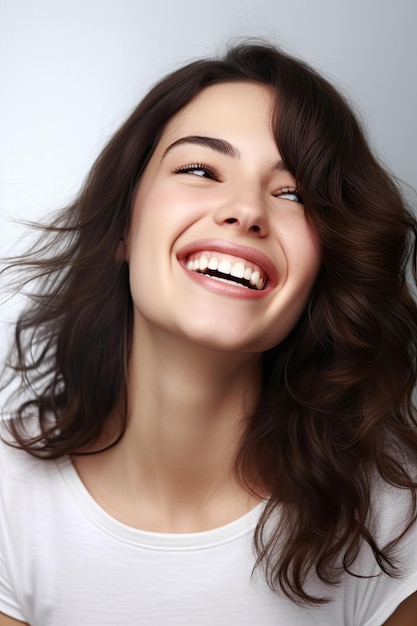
[(215, 423)]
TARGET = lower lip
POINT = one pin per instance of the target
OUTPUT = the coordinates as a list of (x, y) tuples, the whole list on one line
[(227, 289)]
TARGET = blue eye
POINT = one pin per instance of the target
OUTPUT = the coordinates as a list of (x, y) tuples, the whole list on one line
[(290, 194), (198, 169)]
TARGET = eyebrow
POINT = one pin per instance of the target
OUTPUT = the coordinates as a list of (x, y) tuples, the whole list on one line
[(219, 145)]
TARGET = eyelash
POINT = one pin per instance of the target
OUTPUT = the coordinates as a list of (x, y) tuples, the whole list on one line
[(203, 167), (191, 168), (290, 191)]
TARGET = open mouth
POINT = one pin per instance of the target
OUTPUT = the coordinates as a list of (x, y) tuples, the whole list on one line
[(228, 269)]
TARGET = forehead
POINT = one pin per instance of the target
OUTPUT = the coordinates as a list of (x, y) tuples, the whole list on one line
[(226, 108)]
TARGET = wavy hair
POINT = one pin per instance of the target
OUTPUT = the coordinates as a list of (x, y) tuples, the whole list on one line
[(336, 406)]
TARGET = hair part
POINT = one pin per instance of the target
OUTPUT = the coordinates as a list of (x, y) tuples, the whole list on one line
[(337, 402)]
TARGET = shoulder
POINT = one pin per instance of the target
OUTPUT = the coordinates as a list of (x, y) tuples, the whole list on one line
[(405, 614), (379, 597), (392, 525), (24, 479), (15, 463), (8, 621), (392, 510), (20, 504)]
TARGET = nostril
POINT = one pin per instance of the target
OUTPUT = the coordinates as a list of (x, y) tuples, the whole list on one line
[(233, 220)]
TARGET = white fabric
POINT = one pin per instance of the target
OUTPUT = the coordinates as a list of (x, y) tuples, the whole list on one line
[(65, 562)]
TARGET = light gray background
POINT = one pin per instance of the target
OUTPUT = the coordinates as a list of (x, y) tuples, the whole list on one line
[(72, 70)]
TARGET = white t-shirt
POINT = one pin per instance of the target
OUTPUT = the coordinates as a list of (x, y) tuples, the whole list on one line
[(65, 562)]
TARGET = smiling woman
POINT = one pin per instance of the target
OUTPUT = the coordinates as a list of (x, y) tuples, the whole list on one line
[(225, 202), (215, 418)]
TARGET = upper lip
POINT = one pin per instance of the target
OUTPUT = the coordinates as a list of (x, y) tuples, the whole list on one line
[(238, 250)]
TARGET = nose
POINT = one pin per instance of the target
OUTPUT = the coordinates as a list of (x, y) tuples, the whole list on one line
[(246, 212)]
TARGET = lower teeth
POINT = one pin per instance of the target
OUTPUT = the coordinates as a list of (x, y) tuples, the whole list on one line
[(224, 280)]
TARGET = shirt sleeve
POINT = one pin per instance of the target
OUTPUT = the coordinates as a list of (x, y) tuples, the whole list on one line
[(8, 603), (377, 597)]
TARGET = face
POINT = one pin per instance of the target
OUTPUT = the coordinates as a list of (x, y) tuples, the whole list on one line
[(220, 250)]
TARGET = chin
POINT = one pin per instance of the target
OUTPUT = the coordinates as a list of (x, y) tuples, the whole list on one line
[(228, 340)]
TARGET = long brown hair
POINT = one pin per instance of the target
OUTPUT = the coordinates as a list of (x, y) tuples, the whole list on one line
[(337, 404)]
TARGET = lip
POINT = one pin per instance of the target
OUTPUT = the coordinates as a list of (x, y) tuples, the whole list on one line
[(234, 249)]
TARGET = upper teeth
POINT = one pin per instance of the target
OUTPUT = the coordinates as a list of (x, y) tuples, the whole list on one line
[(238, 269)]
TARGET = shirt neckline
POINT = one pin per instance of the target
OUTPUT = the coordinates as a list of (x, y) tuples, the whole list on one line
[(148, 539)]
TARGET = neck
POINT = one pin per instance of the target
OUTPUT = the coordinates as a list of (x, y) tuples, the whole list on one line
[(186, 413)]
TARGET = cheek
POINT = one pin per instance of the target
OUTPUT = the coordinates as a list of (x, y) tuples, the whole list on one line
[(154, 228), (306, 263), (163, 210), (142, 249), (302, 254), (301, 248), (146, 225), (311, 254)]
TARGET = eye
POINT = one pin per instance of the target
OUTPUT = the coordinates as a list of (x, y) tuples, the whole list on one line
[(289, 194), (203, 170)]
